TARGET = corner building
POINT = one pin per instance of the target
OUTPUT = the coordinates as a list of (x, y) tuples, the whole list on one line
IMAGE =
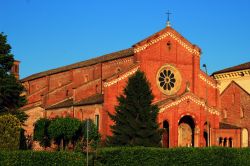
[(189, 99)]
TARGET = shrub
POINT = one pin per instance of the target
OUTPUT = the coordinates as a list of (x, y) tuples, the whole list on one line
[(63, 130), (31, 158), (9, 132), (93, 134), (41, 132), (176, 156)]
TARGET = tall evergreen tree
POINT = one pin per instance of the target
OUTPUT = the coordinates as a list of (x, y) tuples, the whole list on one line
[(136, 117), (10, 88)]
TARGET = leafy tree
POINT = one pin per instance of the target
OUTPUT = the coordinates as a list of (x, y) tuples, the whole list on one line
[(10, 88), (93, 134), (63, 130), (22, 140), (135, 117), (9, 132), (41, 133)]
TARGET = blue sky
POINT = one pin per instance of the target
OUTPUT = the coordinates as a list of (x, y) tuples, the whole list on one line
[(46, 34)]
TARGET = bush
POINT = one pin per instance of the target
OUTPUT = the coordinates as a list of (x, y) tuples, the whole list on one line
[(9, 132), (64, 130), (41, 132), (93, 134), (176, 156), (31, 158)]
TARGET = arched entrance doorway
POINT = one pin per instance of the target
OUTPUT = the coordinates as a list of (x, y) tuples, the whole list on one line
[(186, 128), (165, 134)]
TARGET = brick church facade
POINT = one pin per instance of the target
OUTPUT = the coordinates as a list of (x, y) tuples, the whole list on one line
[(194, 108)]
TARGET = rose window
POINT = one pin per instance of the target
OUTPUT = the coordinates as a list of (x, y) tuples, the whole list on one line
[(168, 79)]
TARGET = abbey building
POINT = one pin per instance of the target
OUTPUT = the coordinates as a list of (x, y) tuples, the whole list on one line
[(195, 109)]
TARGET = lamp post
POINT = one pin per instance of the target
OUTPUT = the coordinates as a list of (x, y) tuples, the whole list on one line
[(208, 128)]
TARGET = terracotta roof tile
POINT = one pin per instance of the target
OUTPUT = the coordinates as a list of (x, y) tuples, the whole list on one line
[(243, 66), (95, 99), (108, 57), (228, 126), (65, 103)]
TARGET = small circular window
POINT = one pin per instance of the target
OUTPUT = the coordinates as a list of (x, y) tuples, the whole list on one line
[(168, 79)]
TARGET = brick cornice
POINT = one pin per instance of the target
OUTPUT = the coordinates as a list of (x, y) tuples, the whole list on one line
[(186, 45), (121, 77), (192, 98), (207, 81), (232, 75)]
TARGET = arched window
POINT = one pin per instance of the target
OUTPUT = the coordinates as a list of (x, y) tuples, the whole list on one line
[(97, 121), (225, 113), (86, 78), (220, 141), (233, 98), (118, 69), (241, 112), (230, 142), (244, 138), (225, 142), (165, 135)]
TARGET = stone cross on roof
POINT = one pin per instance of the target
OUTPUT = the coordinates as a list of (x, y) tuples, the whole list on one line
[(168, 21)]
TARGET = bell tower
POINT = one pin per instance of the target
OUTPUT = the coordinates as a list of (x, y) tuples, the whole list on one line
[(15, 69)]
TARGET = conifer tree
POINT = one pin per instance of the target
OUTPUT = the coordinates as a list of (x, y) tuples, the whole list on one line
[(135, 117), (10, 88)]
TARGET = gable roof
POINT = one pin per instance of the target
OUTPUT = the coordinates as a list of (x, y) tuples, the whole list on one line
[(94, 99), (187, 95), (242, 66), (235, 83), (108, 57), (228, 126), (168, 31)]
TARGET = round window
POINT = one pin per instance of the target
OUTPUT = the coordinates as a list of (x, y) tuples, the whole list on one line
[(168, 79)]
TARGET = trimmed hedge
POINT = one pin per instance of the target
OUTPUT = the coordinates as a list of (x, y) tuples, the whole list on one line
[(34, 158), (176, 156), (134, 156)]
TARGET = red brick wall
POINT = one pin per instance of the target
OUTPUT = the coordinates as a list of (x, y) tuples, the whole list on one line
[(87, 90), (233, 106), (53, 88), (150, 60)]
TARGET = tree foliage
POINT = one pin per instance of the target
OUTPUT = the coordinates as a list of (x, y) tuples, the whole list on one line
[(93, 134), (135, 117), (10, 88), (9, 132), (64, 130), (41, 133)]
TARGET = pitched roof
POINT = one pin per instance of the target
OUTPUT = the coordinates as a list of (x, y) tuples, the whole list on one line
[(95, 99), (108, 57), (65, 103), (228, 126), (235, 83), (164, 30), (243, 66)]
